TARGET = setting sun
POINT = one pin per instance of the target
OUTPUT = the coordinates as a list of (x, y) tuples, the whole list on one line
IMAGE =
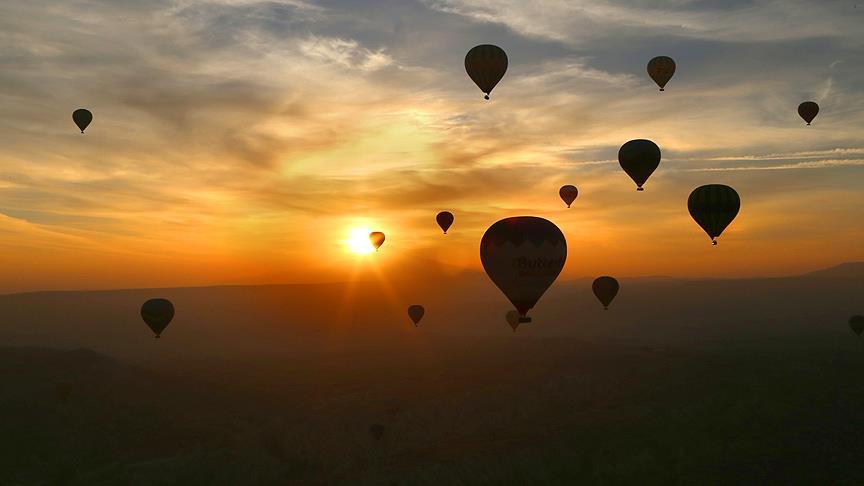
[(358, 241)]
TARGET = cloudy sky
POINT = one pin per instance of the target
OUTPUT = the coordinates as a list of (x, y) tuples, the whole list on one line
[(244, 140)]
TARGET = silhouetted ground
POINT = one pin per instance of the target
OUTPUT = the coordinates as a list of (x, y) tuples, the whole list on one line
[(469, 410)]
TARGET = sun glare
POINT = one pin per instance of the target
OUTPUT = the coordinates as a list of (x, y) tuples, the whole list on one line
[(358, 241)]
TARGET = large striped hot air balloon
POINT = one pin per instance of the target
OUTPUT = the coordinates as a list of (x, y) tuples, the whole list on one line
[(523, 256), (486, 65), (713, 207)]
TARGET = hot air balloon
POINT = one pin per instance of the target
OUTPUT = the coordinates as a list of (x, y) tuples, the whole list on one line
[(445, 220), (486, 65), (512, 318), (713, 207), (415, 312), (157, 313), (377, 239), (857, 324), (82, 118), (661, 69), (377, 431), (639, 159), (605, 288), (808, 111), (523, 256), (568, 194)]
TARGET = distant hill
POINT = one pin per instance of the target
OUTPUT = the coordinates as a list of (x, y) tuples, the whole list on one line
[(844, 270)]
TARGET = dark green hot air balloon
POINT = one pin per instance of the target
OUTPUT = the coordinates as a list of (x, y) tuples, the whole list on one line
[(808, 111), (82, 118), (713, 207), (605, 288), (486, 65), (416, 312), (661, 69), (157, 313), (856, 323), (639, 159), (568, 194), (444, 220)]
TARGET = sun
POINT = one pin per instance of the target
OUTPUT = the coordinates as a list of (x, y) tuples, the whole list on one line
[(358, 241)]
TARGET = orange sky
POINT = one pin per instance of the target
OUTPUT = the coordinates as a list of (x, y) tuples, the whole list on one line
[(248, 151)]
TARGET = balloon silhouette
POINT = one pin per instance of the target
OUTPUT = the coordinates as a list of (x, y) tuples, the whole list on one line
[(713, 207), (512, 318), (377, 239), (523, 256), (377, 431), (486, 65), (605, 288), (568, 194), (82, 118), (808, 111), (661, 69), (639, 159), (415, 312), (856, 323), (157, 313), (445, 220)]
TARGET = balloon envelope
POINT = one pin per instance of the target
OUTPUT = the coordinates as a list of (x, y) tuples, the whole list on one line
[(856, 323), (605, 288), (639, 159), (445, 220), (377, 239), (82, 118), (808, 111), (523, 256), (486, 65), (713, 207), (415, 312), (157, 313), (661, 69), (568, 194)]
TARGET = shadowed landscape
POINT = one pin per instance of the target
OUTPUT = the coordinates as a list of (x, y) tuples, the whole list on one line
[(258, 385)]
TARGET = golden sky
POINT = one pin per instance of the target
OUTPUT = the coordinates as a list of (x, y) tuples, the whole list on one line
[(242, 141)]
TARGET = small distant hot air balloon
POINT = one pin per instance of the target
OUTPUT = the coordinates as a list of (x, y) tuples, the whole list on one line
[(661, 69), (605, 288), (639, 159), (82, 118), (486, 65), (377, 431), (523, 256), (157, 313), (808, 111), (377, 239), (713, 207), (512, 318), (445, 220), (856, 323), (568, 194), (415, 312)]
